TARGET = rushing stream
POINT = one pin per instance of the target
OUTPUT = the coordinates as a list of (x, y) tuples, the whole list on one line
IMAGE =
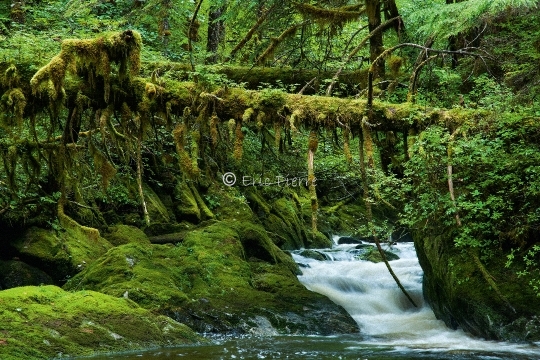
[(390, 327)]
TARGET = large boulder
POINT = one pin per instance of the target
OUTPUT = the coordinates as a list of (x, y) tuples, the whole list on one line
[(47, 322), (62, 253), (283, 218), (372, 254), (456, 287), (225, 277), (15, 273), (125, 234)]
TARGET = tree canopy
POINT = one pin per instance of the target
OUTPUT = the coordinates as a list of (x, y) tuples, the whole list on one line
[(101, 98)]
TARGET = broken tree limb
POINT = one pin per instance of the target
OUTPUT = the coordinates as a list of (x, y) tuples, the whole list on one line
[(366, 144)]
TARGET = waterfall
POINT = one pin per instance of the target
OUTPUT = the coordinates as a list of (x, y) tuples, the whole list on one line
[(384, 315)]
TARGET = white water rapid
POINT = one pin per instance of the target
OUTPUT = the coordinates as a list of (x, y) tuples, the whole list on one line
[(385, 316)]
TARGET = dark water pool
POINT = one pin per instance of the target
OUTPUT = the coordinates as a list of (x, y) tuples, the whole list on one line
[(339, 347)]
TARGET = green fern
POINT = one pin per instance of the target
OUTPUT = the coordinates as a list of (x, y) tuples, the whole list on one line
[(444, 20)]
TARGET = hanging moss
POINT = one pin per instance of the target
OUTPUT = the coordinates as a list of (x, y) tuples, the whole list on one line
[(347, 145), (10, 164), (102, 165), (13, 101), (274, 42), (214, 133), (368, 141), (296, 115), (395, 63), (186, 163), (231, 124), (195, 139), (9, 75), (336, 15), (277, 134), (313, 141), (260, 119), (94, 57), (248, 113), (239, 141)]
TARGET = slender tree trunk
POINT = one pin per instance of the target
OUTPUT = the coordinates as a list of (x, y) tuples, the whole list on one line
[(373, 10), (453, 41), (18, 13), (192, 33), (216, 33), (140, 179), (312, 148), (391, 11)]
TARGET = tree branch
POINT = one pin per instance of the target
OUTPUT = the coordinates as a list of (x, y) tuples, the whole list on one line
[(249, 34), (355, 51)]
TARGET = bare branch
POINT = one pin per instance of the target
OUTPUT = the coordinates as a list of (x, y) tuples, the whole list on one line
[(355, 51), (307, 85)]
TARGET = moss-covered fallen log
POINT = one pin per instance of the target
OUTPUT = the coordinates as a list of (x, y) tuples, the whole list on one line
[(292, 79)]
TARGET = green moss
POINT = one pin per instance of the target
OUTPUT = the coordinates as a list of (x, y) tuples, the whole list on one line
[(460, 296), (343, 220), (15, 273), (60, 254), (94, 56), (206, 213), (156, 210), (317, 240), (217, 279), (373, 255), (46, 322), (312, 254), (186, 207), (125, 234), (287, 224)]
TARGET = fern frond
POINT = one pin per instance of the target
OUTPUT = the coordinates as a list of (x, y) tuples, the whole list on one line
[(444, 20)]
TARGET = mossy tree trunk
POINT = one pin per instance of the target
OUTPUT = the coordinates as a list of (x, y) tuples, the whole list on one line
[(453, 41), (312, 148), (216, 33), (18, 12), (373, 10), (390, 12)]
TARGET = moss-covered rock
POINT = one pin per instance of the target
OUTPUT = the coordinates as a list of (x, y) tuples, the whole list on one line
[(343, 220), (15, 273), (318, 240), (125, 234), (312, 254), (220, 278), (60, 253), (186, 207), (281, 219), (458, 293), (373, 255), (45, 322), (156, 209)]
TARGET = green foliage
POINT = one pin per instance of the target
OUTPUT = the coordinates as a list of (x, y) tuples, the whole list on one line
[(494, 164), (445, 20)]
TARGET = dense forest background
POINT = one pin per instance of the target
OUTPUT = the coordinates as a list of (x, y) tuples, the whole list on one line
[(437, 55), (400, 117)]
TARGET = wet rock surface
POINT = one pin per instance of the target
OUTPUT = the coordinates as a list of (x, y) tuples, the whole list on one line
[(460, 296)]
